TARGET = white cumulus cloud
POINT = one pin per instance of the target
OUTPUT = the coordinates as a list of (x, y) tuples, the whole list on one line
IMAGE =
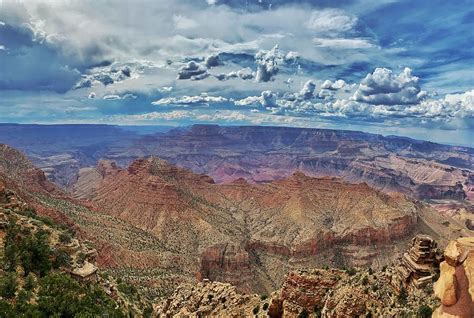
[(383, 87), (266, 99), (267, 63), (204, 98)]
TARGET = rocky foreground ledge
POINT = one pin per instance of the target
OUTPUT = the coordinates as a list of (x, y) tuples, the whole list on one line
[(455, 286), (404, 289)]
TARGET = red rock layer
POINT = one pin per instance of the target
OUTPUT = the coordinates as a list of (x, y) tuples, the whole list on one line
[(229, 263)]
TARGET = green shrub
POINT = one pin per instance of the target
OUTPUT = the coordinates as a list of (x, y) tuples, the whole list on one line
[(6, 309), (148, 312), (30, 282), (129, 290), (424, 311), (10, 246), (403, 296), (256, 309), (65, 238), (8, 285), (31, 251), (62, 296), (304, 313), (263, 297), (23, 299), (317, 311), (61, 259), (34, 253), (265, 306), (81, 257), (365, 280), (351, 271)]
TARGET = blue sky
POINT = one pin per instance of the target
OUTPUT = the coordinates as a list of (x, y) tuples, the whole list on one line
[(390, 67)]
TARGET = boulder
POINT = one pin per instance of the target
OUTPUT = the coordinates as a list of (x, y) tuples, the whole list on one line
[(455, 286), (445, 287)]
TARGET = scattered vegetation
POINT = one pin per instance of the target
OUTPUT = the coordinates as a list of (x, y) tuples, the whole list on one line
[(29, 250), (127, 289), (65, 238), (33, 284)]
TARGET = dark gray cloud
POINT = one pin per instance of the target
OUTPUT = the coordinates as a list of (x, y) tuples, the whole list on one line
[(212, 61), (28, 62), (192, 70)]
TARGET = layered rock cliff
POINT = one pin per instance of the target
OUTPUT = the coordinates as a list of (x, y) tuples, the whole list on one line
[(328, 293), (227, 263), (420, 169), (160, 224), (252, 234), (389, 163)]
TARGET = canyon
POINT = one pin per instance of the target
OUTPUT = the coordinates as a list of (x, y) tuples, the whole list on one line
[(252, 234), (423, 170), (169, 224), (354, 292), (260, 208)]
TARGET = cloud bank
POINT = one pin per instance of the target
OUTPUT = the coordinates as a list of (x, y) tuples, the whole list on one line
[(347, 62)]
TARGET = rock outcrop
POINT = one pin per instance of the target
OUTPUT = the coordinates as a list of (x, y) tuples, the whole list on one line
[(208, 299), (227, 263), (455, 286), (306, 289), (328, 293), (318, 292), (22, 174), (454, 192), (419, 265)]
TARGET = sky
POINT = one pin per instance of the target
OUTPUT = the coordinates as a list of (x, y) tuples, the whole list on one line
[(390, 67)]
